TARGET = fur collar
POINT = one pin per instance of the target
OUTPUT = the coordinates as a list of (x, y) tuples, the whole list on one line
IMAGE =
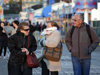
[(48, 30)]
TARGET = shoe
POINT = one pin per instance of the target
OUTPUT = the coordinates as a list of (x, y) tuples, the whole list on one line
[(4, 57), (0, 57)]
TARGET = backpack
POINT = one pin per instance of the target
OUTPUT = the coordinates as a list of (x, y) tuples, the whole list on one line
[(53, 54), (87, 29)]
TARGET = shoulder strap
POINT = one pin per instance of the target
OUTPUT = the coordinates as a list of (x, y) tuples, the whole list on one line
[(72, 30), (28, 42), (89, 32)]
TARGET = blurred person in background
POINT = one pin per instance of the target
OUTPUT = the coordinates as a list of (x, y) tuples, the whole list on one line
[(15, 24), (32, 28), (9, 29), (3, 40)]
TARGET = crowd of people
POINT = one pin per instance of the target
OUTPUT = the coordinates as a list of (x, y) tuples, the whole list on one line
[(81, 41), (7, 30)]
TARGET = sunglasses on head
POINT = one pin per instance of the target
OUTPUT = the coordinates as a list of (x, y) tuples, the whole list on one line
[(26, 29)]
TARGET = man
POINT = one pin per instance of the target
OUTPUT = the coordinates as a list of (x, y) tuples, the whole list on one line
[(8, 29), (80, 45)]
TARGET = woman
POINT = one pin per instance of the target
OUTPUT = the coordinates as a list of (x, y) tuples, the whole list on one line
[(52, 40), (3, 39), (9, 29), (15, 25), (17, 45)]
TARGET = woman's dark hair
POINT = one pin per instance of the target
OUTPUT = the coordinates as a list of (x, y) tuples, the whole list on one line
[(7, 23), (3, 23), (21, 26), (54, 24), (16, 22)]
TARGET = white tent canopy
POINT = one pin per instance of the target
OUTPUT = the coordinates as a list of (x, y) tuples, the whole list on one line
[(59, 5), (38, 12), (95, 14), (55, 7)]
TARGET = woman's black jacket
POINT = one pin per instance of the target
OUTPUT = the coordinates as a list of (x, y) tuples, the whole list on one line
[(3, 38), (15, 43)]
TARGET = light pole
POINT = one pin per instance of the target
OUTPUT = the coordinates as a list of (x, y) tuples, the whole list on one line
[(21, 6), (86, 15)]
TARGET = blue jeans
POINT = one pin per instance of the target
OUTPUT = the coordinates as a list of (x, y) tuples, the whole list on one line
[(81, 66)]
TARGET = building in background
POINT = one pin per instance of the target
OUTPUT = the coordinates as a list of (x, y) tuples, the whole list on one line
[(10, 6), (1, 10), (95, 19), (56, 1), (30, 3)]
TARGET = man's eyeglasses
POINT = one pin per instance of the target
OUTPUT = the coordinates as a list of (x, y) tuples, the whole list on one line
[(26, 29)]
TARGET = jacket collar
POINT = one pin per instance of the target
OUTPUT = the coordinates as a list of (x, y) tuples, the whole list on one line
[(82, 25), (20, 34)]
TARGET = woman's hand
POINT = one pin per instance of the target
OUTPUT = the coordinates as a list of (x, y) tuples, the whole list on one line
[(25, 50), (3, 31)]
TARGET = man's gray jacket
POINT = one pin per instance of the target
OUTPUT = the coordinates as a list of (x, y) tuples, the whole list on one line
[(80, 45)]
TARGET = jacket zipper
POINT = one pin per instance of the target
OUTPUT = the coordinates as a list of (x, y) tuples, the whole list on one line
[(79, 42)]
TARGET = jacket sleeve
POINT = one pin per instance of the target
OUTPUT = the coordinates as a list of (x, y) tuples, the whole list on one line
[(12, 47), (68, 41), (94, 39), (33, 45), (0, 31)]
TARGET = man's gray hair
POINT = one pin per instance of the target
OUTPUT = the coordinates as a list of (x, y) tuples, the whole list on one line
[(81, 16)]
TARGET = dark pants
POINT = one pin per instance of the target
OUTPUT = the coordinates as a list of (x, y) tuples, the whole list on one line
[(5, 49), (81, 66), (3, 45), (45, 70), (19, 70)]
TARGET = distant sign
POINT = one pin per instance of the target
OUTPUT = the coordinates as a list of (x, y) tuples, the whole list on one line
[(1, 1), (1, 10), (82, 4), (51, 2), (30, 16), (23, 15), (1, 13)]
